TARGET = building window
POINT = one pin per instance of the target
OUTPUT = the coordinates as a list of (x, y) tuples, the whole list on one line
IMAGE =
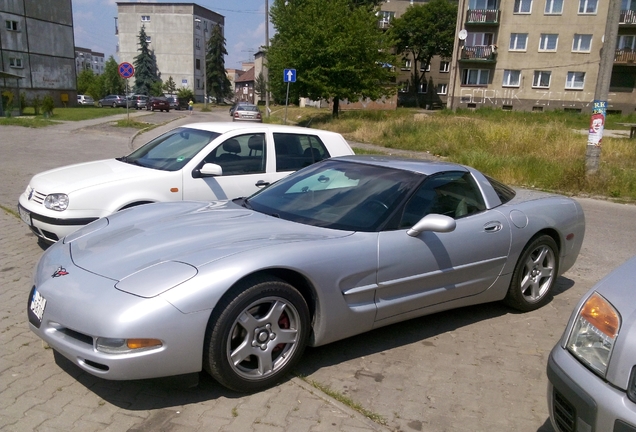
[(548, 42), (423, 88), (407, 64), (523, 6), (626, 42), (145, 18), (588, 6), (518, 41), (479, 39), (198, 83), (425, 68), (483, 4), (442, 89), (15, 62), (11, 25), (148, 39), (541, 79), (197, 43), (403, 87), (582, 43), (475, 77), (553, 7), (511, 78), (575, 80), (197, 63), (444, 66), (384, 18)]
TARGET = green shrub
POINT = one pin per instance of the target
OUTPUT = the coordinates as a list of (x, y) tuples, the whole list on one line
[(48, 105)]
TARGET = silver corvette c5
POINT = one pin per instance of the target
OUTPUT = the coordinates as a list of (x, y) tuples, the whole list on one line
[(239, 288)]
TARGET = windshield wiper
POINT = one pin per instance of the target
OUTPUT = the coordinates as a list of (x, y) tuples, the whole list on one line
[(243, 202), (122, 159)]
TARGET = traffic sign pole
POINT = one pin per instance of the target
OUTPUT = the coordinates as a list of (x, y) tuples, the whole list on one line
[(289, 76), (286, 103), (126, 71)]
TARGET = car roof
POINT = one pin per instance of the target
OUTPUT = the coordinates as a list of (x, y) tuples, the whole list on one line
[(225, 127), (419, 166)]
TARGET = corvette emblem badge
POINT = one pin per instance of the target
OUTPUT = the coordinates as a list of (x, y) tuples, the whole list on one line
[(61, 271)]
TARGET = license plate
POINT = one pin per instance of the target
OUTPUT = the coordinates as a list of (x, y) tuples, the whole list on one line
[(38, 303), (25, 215)]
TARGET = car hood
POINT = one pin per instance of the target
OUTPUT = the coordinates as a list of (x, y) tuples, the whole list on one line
[(192, 233), (72, 178)]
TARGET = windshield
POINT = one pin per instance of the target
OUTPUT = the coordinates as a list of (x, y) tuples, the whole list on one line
[(172, 150), (337, 194)]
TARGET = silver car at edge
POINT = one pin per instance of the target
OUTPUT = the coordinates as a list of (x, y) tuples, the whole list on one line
[(239, 288), (592, 369)]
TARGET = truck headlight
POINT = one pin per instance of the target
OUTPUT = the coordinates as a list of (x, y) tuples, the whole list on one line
[(56, 201), (594, 333)]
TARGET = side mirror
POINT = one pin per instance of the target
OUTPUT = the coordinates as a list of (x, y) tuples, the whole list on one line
[(210, 170), (433, 222)]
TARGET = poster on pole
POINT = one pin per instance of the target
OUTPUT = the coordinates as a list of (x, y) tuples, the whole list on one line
[(597, 123)]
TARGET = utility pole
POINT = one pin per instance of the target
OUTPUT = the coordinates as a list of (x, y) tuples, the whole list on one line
[(266, 69), (597, 122)]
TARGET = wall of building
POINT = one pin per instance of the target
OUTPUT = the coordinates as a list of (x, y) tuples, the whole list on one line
[(44, 45)]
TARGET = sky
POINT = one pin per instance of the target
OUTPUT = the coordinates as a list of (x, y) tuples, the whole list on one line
[(94, 25)]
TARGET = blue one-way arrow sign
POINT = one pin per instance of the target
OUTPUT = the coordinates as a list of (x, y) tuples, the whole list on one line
[(289, 75)]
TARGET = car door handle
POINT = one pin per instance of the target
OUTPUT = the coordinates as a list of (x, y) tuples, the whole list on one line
[(493, 227), (261, 183)]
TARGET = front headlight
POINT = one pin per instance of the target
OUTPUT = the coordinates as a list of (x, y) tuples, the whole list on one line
[(594, 333), (56, 201)]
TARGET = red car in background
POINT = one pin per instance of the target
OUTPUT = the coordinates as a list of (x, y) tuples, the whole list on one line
[(158, 103)]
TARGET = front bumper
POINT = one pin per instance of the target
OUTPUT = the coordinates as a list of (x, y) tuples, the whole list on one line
[(81, 306), (580, 401), (51, 229)]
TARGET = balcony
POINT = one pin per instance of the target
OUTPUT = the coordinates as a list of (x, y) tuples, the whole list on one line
[(478, 54), (625, 57), (628, 17), (482, 17)]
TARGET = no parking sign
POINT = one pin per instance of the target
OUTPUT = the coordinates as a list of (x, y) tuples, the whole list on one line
[(126, 70)]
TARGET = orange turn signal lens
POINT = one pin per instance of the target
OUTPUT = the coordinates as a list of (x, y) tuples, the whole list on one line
[(600, 313), (143, 343)]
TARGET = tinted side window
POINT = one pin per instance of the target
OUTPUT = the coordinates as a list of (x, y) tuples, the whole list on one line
[(243, 154), (453, 194), (504, 192), (296, 151)]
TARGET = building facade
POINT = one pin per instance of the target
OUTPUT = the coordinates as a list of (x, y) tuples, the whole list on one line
[(433, 89), (177, 34), (540, 55), (36, 43), (86, 59)]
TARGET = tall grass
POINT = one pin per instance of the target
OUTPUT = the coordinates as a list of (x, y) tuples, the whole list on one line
[(539, 150)]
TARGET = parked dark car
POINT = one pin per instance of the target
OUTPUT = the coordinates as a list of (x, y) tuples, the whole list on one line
[(112, 101), (138, 101), (177, 103), (158, 103)]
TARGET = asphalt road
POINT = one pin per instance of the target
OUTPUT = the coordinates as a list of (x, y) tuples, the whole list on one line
[(479, 368)]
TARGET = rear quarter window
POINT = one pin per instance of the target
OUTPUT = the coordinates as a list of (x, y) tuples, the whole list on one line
[(505, 193)]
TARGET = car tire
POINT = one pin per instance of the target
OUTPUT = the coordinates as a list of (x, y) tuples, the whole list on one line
[(535, 275), (152, 109), (114, 104), (249, 324)]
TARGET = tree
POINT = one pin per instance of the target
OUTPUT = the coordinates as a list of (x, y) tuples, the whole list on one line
[(422, 32), (336, 47), (260, 85), (84, 81), (112, 82), (218, 83), (169, 86), (145, 66)]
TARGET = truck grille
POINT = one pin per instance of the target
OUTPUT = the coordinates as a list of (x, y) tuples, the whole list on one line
[(564, 413)]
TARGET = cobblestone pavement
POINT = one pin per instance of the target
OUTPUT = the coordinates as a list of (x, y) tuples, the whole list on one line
[(479, 368)]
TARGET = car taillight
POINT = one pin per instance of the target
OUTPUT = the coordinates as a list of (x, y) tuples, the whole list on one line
[(258, 116), (236, 114)]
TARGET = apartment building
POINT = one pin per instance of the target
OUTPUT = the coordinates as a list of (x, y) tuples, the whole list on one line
[(177, 34), (433, 89), (540, 55), (36, 45), (86, 59)]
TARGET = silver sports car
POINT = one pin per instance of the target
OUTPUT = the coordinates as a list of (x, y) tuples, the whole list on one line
[(239, 288)]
